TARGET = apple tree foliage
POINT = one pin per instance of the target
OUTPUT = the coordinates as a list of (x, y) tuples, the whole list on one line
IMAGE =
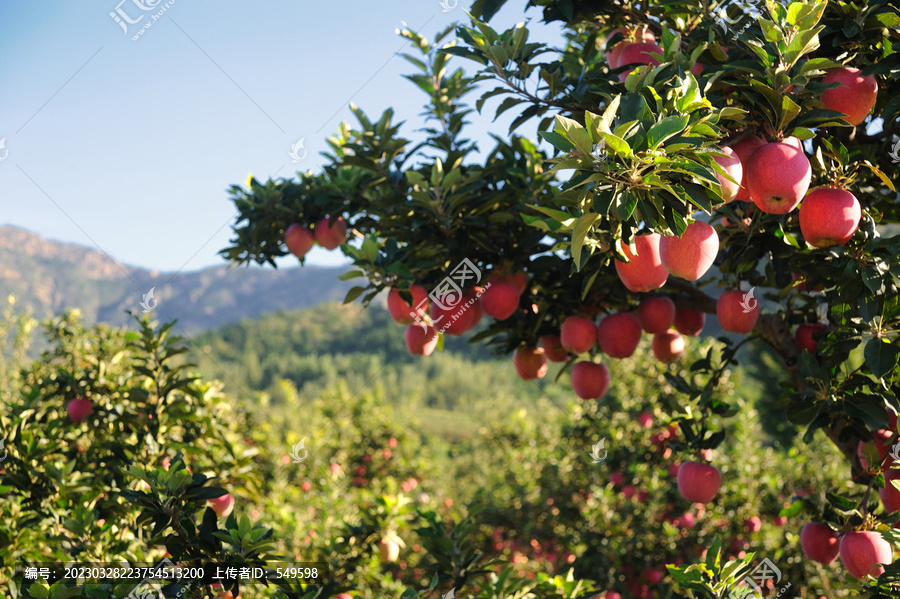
[(588, 162)]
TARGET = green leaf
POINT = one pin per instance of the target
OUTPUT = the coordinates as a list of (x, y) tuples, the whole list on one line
[(351, 275), (881, 356), (353, 293), (666, 128), (557, 140), (617, 145), (582, 227)]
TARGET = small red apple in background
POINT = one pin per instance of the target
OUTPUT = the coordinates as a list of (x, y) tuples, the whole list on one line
[(223, 505), (667, 347), (690, 255), (389, 549), (819, 543), (753, 524), (616, 478), (778, 176), (731, 164), (855, 96), (803, 336), (578, 334), (401, 311), (612, 595), (779, 520), (862, 552), (619, 334), (638, 33), (331, 236), (890, 496), (553, 348), (731, 309), (645, 419), (829, 216), (652, 575), (639, 53), (79, 409), (699, 483), (744, 149), (657, 314), (644, 270), (590, 380), (629, 491), (689, 322), (421, 339), (299, 240), (500, 300), (530, 362), (306, 486), (518, 279)]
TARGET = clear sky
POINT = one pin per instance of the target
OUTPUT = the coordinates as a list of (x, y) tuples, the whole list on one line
[(129, 145)]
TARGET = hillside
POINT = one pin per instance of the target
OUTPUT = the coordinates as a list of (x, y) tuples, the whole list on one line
[(49, 277)]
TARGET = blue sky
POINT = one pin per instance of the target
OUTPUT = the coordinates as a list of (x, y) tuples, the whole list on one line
[(129, 145)]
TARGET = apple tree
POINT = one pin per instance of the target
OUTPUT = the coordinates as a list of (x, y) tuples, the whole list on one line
[(673, 159)]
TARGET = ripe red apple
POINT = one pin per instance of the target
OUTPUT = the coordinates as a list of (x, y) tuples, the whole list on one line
[(578, 334), (652, 575), (530, 362), (590, 380), (644, 271), (753, 524), (553, 348), (890, 496), (731, 309), (613, 54), (778, 176), (401, 311), (619, 334), (299, 240), (779, 520), (690, 255), (731, 164), (629, 491), (645, 419), (388, 549), (855, 96), (829, 216), (223, 505), (699, 483), (457, 319), (744, 149), (639, 53), (500, 300), (616, 478), (803, 337), (657, 314), (79, 409), (687, 520), (613, 595), (689, 322), (862, 552), (331, 236), (421, 339), (667, 347), (519, 279), (819, 543)]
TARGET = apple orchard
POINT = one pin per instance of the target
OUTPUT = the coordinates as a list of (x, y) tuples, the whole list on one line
[(678, 162)]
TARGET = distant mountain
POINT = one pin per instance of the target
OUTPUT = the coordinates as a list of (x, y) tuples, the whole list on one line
[(49, 277)]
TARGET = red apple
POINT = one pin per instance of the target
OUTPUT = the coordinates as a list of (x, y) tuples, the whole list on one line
[(687, 520), (299, 240), (779, 520), (744, 149), (778, 175), (639, 53), (223, 505), (829, 216), (578, 334), (882, 439), (699, 483), (689, 322), (890, 496), (753, 524), (421, 339), (855, 96), (530, 362), (519, 279), (731, 309), (862, 552), (553, 348), (613, 54), (459, 318), (500, 300), (590, 380), (79, 409), (731, 164), (629, 491), (619, 334), (667, 347), (657, 314), (401, 311), (652, 575), (644, 271), (616, 478), (690, 255), (330, 236), (612, 595), (803, 337), (645, 419), (819, 543)]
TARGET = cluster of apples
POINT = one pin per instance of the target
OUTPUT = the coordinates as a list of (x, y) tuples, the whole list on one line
[(499, 299), (299, 240)]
